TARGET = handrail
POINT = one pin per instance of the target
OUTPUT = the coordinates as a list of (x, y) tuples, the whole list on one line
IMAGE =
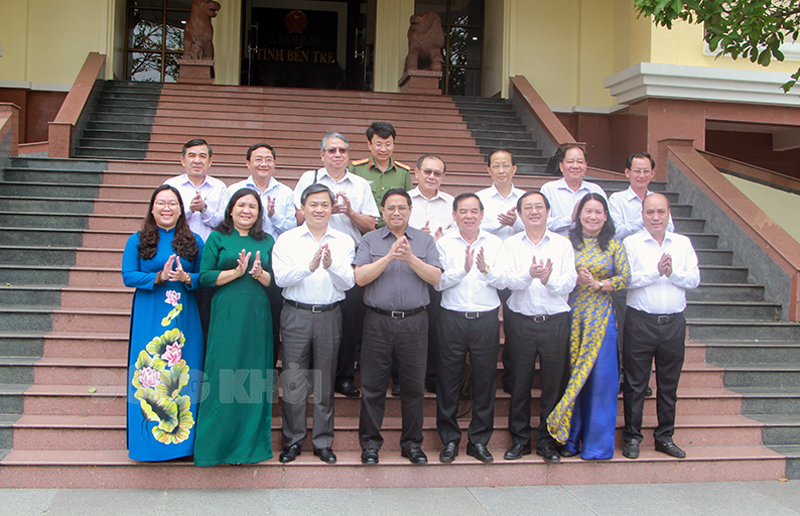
[(754, 173), (550, 123), (9, 123), (60, 130), (766, 233)]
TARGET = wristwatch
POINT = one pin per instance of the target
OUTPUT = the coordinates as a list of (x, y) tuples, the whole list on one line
[(601, 286), (486, 270)]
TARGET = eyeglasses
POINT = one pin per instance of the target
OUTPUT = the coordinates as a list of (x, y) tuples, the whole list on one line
[(259, 160), (504, 166), (333, 150), (161, 204), (641, 170), (429, 171), (402, 208)]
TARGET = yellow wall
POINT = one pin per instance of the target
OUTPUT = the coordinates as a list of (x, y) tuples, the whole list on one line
[(13, 38), (391, 42), (683, 45), (495, 40), (782, 207), (228, 43)]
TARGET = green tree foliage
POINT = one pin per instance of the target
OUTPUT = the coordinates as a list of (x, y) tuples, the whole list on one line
[(752, 29)]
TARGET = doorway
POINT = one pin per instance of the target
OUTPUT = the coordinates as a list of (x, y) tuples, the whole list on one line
[(306, 44)]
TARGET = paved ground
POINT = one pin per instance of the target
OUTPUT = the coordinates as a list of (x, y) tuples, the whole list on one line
[(707, 499)]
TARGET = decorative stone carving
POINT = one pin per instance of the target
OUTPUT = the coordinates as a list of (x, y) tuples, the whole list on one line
[(425, 43), (198, 37)]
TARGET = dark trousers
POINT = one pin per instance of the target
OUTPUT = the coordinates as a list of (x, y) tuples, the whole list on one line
[(506, 374), (276, 305), (549, 340), (353, 315), (405, 341), (480, 338), (434, 309), (649, 336), (307, 337), (204, 295)]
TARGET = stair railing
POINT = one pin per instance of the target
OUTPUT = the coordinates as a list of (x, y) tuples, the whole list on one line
[(9, 133), (70, 117), (775, 257)]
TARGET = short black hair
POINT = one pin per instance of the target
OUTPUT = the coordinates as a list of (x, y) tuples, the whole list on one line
[(382, 129), (395, 191), (195, 143), (529, 193), (466, 195), (640, 155), (573, 146), (258, 146), (489, 157), (316, 188), (435, 156)]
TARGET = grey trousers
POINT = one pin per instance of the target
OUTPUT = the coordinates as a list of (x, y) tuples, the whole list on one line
[(309, 337)]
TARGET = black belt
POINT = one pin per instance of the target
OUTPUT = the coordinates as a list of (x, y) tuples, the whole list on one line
[(658, 318), (473, 315), (397, 314), (539, 319), (317, 309)]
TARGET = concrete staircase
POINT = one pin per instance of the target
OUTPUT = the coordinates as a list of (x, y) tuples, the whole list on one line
[(63, 362)]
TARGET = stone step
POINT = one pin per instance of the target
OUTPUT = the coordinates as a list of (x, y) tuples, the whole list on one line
[(97, 298), (6, 432), (11, 219), (16, 236), (792, 453), (59, 164), (35, 295), (723, 274), (779, 429), (682, 210), (684, 225), (112, 468), (36, 255), (80, 345), (308, 119), (17, 370), (48, 189), (96, 276), (120, 134), (21, 344), (769, 375), (11, 398), (128, 143), (18, 174), (751, 352), (736, 310), (714, 257), (38, 432), (731, 291), (703, 240), (49, 204), (706, 330), (26, 318), (88, 319), (109, 399), (765, 400)]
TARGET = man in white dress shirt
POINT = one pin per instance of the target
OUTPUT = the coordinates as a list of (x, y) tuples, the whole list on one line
[(313, 264), (565, 193), (354, 214), (432, 213), (539, 266), (500, 199), (204, 200), (468, 325), (279, 215), (625, 207), (663, 266), (500, 219)]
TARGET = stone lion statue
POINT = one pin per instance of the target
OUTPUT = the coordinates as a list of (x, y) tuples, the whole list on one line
[(198, 37), (425, 42)]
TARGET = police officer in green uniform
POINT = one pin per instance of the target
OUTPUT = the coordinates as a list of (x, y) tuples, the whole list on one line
[(382, 172)]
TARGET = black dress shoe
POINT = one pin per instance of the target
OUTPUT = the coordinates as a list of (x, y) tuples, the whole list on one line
[(648, 392), (289, 453), (631, 450), (449, 452), (325, 455), (396, 389), (670, 449), (565, 452), (480, 452), (549, 454), (348, 389), (415, 455), (517, 451), (369, 456)]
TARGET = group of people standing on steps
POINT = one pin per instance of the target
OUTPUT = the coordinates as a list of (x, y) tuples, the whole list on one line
[(357, 262)]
